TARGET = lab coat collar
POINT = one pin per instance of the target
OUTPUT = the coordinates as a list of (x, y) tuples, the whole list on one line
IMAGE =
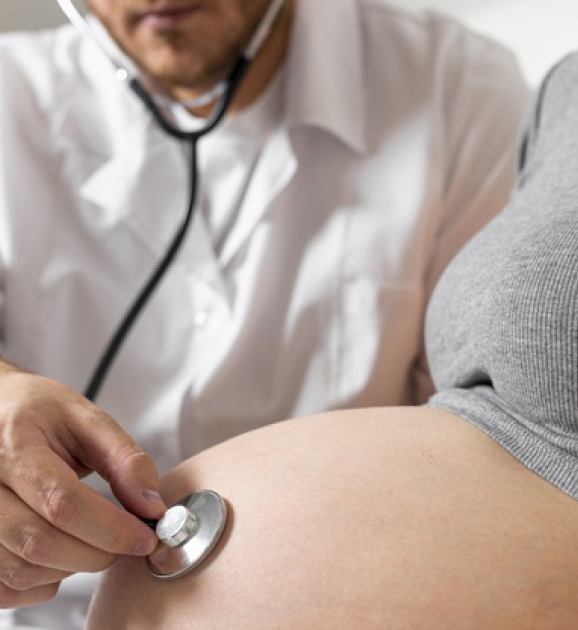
[(118, 190), (324, 88), (326, 85), (326, 78)]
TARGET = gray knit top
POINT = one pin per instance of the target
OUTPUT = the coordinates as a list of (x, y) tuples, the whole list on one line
[(502, 326)]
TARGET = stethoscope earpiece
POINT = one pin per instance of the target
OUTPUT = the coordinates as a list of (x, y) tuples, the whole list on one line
[(188, 532)]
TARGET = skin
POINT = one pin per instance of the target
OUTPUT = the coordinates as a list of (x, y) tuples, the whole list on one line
[(389, 519), (52, 525), (187, 46)]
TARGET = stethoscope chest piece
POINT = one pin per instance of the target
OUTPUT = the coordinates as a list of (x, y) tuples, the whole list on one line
[(188, 532)]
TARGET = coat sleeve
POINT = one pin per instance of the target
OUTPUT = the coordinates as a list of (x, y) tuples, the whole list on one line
[(28, 178)]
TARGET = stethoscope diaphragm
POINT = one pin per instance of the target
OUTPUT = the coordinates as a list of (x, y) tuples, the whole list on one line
[(188, 532)]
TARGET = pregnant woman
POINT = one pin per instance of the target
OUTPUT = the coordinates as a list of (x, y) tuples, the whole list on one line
[(462, 514)]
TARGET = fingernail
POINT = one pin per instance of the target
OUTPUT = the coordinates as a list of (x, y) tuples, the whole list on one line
[(152, 496), (162, 557), (145, 547)]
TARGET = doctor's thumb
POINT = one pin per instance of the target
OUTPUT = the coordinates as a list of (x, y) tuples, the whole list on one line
[(136, 484)]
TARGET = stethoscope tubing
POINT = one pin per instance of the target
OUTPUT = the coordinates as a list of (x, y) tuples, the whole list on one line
[(219, 110), (131, 315)]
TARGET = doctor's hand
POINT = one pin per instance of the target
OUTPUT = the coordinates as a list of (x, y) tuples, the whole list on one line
[(51, 524)]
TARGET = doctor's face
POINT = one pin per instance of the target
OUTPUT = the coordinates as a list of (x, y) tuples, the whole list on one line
[(185, 45)]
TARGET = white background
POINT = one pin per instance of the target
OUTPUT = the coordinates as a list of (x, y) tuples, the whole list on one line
[(539, 31)]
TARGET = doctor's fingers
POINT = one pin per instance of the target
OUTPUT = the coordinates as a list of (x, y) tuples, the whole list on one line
[(39, 416), (24, 584), (11, 598), (46, 484), (35, 549), (35, 557)]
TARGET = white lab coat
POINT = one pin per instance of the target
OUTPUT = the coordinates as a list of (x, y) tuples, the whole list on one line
[(397, 143)]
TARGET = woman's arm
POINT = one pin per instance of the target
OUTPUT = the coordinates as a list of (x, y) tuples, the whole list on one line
[(371, 519)]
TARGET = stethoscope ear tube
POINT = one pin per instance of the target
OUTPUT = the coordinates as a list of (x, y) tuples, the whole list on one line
[(233, 81)]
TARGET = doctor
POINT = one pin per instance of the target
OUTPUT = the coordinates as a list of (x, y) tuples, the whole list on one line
[(364, 146)]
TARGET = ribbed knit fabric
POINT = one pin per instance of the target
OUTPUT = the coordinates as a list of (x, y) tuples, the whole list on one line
[(502, 326)]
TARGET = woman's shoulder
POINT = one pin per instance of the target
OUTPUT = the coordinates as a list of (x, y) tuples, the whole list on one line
[(558, 91)]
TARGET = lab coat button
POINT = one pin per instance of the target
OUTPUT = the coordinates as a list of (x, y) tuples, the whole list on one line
[(201, 318)]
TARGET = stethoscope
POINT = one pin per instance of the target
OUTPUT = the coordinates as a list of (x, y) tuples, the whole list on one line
[(189, 530)]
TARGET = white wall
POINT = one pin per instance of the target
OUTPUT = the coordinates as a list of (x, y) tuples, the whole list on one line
[(17, 14), (539, 31)]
